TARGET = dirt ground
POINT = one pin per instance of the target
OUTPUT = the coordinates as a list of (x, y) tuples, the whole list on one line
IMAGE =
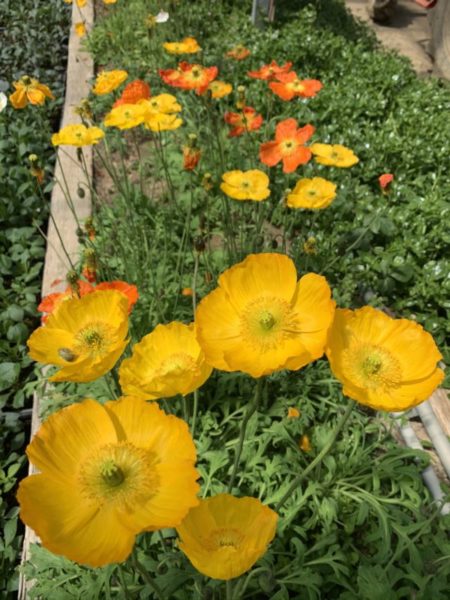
[(408, 32)]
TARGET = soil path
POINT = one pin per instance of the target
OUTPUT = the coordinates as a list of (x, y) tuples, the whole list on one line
[(408, 32)]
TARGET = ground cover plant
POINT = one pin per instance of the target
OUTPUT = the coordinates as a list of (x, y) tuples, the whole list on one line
[(39, 51), (241, 201)]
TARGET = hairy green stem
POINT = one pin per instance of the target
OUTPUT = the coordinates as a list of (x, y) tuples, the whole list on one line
[(250, 411), (146, 577)]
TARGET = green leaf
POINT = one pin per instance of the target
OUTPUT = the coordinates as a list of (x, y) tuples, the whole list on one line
[(9, 373)]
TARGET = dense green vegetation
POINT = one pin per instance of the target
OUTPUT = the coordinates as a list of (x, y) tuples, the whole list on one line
[(34, 43)]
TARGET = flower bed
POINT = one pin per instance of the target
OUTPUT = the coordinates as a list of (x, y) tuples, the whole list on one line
[(239, 203)]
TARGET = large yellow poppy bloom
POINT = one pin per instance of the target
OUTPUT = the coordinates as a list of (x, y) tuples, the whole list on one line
[(188, 45), (84, 336), (260, 319), (246, 185), (29, 90), (334, 155), (312, 193), (224, 536), (166, 362), (385, 363), (108, 81), (77, 135), (125, 116), (106, 474)]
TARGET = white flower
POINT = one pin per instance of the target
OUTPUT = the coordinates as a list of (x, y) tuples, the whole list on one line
[(162, 17), (3, 101)]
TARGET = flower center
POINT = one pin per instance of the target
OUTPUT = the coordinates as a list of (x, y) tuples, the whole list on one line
[(176, 364), (94, 339), (312, 192), (224, 538), (112, 474), (288, 146), (372, 366), (297, 86), (266, 322), (119, 473), (245, 184)]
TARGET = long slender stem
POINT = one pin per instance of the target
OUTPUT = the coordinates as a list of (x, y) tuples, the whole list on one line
[(355, 243), (250, 411), (229, 588), (319, 458), (123, 584), (142, 570)]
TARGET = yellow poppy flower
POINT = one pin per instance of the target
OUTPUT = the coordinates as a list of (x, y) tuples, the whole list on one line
[(77, 135), (109, 1), (80, 29), (29, 90), (245, 185), (125, 116), (219, 89), (385, 363), (166, 362), (159, 112), (162, 122), (81, 3), (188, 45), (108, 81), (260, 319), (312, 193), (84, 336), (163, 103), (107, 472), (224, 536), (334, 155)]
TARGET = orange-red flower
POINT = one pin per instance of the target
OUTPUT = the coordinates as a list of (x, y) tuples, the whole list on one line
[(133, 92), (239, 52), (191, 156), (385, 179), (288, 146), (268, 72), (245, 120), (128, 289), (51, 301), (189, 76), (288, 86)]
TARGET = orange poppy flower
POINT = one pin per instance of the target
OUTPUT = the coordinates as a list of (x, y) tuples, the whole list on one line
[(50, 302), (191, 157), (128, 289), (288, 146), (189, 77), (239, 52), (268, 72), (246, 120), (385, 179), (133, 92), (288, 86)]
